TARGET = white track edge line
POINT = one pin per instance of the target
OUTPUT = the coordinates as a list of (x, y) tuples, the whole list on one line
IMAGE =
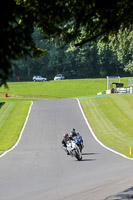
[(93, 134), (20, 133)]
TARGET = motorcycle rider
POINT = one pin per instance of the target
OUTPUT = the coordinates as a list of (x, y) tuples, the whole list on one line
[(66, 138), (74, 134), (64, 142)]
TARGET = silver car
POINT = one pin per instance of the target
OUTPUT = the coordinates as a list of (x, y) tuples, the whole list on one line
[(59, 77), (39, 78)]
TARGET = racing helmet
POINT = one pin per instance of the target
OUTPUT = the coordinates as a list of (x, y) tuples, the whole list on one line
[(73, 130)]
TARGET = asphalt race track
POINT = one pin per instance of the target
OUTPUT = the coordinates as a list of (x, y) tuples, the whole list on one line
[(39, 169)]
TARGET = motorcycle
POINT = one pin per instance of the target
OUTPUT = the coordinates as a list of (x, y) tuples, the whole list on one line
[(74, 150), (79, 142)]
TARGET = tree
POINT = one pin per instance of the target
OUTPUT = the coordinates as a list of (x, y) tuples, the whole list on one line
[(129, 67), (70, 21), (118, 52), (122, 45), (108, 62)]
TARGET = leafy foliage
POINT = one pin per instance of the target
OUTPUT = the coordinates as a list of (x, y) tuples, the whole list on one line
[(70, 21), (89, 60), (129, 67)]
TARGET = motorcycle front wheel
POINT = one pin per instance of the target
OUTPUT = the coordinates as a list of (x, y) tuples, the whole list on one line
[(77, 155)]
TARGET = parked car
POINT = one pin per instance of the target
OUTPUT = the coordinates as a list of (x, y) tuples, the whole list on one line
[(59, 77), (39, 78)]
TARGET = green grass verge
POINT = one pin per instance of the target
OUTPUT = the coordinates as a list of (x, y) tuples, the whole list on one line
[(12, 118), (54, 89), (111, 119)]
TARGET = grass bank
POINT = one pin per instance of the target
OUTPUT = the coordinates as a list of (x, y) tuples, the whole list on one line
[(12, 117), (112, 120), (54, 89)]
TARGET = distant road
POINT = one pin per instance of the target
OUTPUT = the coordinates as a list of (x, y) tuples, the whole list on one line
[(39, 169)]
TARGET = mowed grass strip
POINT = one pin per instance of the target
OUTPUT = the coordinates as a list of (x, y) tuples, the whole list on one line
[(12, 118), (54, 89), (111, 119)]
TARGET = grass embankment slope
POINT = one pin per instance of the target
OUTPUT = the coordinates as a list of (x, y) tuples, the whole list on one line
[(54, 89), (112, 120), (12, 117), (110, 117)]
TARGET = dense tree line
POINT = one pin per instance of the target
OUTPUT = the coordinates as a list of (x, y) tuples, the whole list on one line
[(71, 22), (93, 59)]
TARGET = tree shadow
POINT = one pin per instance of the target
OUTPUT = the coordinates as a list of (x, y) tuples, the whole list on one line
[(126, 194), (1, 104)]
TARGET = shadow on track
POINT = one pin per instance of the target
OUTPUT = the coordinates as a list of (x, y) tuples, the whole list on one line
[(126, 194), (87, 160), (88, 154)]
